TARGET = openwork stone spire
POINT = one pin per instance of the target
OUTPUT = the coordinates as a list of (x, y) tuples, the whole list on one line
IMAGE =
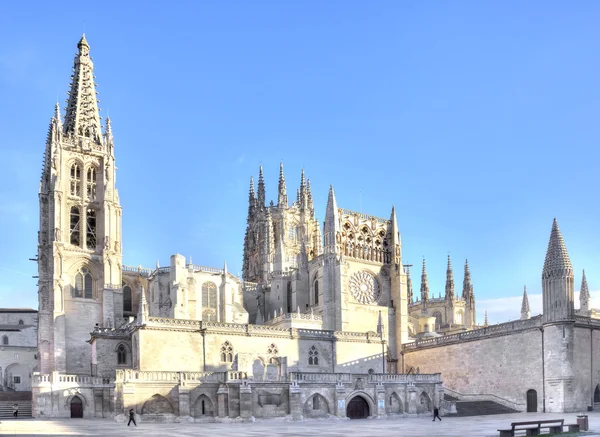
[(282, 199), (251, 198), (557, 258), (485, 321), (261, 188), (449, 282), (424, 283), (467, 287), (83, 117), (525, 311), (409, 288)]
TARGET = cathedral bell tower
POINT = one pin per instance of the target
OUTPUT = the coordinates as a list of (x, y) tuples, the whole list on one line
[(79, 241)]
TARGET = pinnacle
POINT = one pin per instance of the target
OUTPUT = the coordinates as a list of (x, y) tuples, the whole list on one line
[(57, 111), (449, 264), (557, 257), (585, 292), (83, 42), (525, 304)]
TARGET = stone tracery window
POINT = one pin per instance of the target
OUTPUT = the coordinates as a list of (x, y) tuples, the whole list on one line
[(209, 302), (227, 352), (272, 349), (83, 286), (127, 304), (75, 180), (90, 236), (316, 289), (74, 227), (91, 183), (121, 354), (313, 356)]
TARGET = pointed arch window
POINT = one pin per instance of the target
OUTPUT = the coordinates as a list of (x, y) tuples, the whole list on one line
[(289, 297), (83, 284), (121, 354), (90, 236), (74, 227), (209, 302), (227, 352), (20, 321), (5, 340), (316, 287), (127, 298), (75, 180), (91, 183), (313, 356)]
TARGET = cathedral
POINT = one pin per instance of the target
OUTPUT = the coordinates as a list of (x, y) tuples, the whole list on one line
[(322, 323)]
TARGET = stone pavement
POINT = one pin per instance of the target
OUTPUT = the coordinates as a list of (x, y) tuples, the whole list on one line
[(478, 426)]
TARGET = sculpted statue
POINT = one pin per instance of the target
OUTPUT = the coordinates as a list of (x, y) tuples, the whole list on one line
[(107, 242)]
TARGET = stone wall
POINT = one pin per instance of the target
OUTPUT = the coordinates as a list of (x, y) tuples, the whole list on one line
[(505, 366)]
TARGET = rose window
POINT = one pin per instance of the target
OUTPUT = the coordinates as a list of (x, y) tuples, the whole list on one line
[(364, 287)]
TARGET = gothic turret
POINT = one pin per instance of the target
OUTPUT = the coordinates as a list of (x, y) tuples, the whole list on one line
[(557, 280), (261, 189), (83, 117), (424, 287), (466, 291), (584, 295), (449, 283), (302, 194), (282, 199), (525, 312)]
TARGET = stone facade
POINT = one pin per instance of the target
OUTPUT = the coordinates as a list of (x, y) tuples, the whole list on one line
[(18, 348), (319, 324)]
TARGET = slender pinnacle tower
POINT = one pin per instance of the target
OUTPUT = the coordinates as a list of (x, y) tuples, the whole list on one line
[(424, 288), (584, 295), (525, 312)]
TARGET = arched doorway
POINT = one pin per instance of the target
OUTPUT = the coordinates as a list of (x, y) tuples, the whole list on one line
[(76, 408), (358, 408), (597, 394), (531, 401)]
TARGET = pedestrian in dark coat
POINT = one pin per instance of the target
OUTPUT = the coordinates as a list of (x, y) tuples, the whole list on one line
[(131, 417), (436, 413)]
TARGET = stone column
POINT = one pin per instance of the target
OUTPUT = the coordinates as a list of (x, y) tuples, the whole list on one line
[(245, 400), (412, 399), (184, 401), (340, 400), (380, 390), (222, 397), (295, 401)]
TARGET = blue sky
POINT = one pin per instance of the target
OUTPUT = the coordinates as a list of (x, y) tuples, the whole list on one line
[(477, 120)]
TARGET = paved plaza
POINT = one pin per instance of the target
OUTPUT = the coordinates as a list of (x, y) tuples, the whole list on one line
[(479, 426)]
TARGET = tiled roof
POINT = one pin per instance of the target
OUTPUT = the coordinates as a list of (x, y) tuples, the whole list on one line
[(557, 257)]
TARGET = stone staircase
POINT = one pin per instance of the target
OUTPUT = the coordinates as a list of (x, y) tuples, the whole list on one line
[(9, 398), (479, 408)]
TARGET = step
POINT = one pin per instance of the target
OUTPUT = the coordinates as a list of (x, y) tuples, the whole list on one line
[(6, 408), (481, 408)]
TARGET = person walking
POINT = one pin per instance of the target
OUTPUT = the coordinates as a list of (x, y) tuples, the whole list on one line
[(436, 413), (15, 410), (131, 417)]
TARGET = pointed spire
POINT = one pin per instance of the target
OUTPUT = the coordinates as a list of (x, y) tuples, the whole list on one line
[(424, 283), (108, 128), (282, 199), (225, 269), (82, 115), (449, 282), (261, 188), (380, 324), (143, 307), (309, 199), (485, 322), (525, 311), (557, 257), (466, 291), (332, 225), (57, 113), (584, 294), (251, 198), (302, 192)]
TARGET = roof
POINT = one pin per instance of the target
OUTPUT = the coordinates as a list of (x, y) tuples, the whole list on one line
[(557, 257)]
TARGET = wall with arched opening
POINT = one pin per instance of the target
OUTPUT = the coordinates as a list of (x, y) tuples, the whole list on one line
[(316, 406), (203, 408)]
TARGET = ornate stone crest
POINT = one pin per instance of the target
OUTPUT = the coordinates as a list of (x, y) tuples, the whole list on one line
[(364, 287)]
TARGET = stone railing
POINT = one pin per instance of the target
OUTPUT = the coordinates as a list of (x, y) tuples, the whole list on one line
[(395, 378), (519, 406), (587, 321), (129, 375), (229, 326), (137, 269), (59, 378), (249, 286), (312, 377), (362, 216), (294, 316), (234, 375), (489, 331), (111, 332), (193, 324)]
